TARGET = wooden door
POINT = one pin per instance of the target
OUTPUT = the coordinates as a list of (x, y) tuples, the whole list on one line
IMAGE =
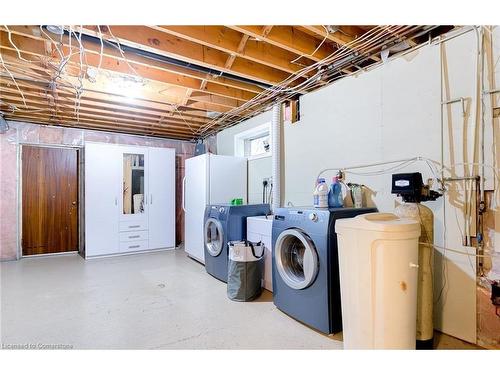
[(49, 200)]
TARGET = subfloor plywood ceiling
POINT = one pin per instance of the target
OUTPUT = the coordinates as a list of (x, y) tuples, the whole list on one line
[(181, 82)]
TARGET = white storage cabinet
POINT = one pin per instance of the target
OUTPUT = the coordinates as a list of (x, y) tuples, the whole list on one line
[(129, 199)]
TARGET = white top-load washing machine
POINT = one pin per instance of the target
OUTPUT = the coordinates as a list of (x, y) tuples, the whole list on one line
[(260, 229)]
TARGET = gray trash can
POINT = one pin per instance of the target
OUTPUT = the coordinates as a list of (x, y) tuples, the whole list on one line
[(245, 268)]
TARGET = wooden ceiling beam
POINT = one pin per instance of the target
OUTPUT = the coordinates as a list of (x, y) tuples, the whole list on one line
[(115, 102), (237, 46), (49, 120), (337, 37), (146, 68), (182, 49), (94, 100), (83, 115), (228, 103), (9, 94), (290, 39)]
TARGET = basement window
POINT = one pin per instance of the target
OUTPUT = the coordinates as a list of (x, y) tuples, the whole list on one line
[(257, 146), (254, 143)]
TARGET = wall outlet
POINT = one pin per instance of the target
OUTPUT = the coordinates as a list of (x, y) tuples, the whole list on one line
[(267, 181)]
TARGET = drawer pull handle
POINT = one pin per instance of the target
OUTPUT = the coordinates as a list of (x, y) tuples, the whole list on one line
[(134, 226), (137, 236), (134, 246)]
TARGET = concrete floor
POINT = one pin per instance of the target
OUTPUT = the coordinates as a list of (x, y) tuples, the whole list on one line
[(151, 301)]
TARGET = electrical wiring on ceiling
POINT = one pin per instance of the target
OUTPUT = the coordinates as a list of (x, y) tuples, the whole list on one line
[(283, 86), (327, 33), (14, 80), (79, 90), (369, 42), (122, 53), (102, 48), (9, 33)]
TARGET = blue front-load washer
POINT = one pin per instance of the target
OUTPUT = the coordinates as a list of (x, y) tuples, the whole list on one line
[(224, 223), (306, 282)]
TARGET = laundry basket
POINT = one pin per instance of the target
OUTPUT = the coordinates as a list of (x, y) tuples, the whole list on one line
[(245, 267)]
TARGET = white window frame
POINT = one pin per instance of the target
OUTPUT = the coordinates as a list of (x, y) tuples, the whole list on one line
[(241, 139)]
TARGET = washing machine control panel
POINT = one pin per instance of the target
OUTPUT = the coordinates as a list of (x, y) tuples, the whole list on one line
[(313, 216), (218, 212), (297, 216)]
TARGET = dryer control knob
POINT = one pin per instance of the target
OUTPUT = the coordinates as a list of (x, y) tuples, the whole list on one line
[(221, 210), (313, 217)]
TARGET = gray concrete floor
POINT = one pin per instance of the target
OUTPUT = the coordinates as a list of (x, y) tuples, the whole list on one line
[(150, 301)]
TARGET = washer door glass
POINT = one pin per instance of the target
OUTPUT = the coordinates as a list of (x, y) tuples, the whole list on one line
[(296, 259), (214, 237)]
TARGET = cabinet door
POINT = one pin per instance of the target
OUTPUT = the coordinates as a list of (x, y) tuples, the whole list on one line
[(134, 167), (161, 200), (102, 194)]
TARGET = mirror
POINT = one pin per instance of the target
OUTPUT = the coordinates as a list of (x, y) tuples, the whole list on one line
[(133, 183)]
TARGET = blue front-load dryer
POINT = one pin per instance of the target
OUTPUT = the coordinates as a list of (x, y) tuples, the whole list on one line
[(224, 223), (306, 282)]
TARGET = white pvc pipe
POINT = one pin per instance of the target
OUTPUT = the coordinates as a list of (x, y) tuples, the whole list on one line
[(276, 155)]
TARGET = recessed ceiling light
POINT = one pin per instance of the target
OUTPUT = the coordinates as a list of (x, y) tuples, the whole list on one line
[(55, 29)]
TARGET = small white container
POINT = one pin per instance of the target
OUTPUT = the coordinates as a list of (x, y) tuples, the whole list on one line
[(321, 194)]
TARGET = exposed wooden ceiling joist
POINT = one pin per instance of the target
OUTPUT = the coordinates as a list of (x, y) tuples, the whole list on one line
[(114, 104), (338, 37), (184, 81), (148, 129), (112, 61), (182, 49), (32, 99), (68, 112), (290, 39), (230, 42)]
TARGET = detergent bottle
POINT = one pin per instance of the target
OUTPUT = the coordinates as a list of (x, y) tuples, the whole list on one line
[(335, 198), (321, 194)]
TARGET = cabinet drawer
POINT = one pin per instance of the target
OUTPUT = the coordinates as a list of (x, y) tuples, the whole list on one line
[(129, 226), (133, 246), (134, 236)]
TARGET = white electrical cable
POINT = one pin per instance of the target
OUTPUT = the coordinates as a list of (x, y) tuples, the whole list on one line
[(362, 166), (14, 80), (14, 45), (102, 48), (317, 48), (119, 47), (271, 93), (489, 255)]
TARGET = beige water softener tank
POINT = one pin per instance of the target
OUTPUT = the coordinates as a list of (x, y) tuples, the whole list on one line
[(378, 263), (424, 215)]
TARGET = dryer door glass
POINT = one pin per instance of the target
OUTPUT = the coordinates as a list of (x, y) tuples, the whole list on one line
[(214, 237), (296, 259)]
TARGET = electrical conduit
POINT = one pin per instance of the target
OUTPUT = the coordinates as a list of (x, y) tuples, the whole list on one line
[(276, 155)]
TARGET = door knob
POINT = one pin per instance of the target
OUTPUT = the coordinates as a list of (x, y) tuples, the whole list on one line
[(73, 203)]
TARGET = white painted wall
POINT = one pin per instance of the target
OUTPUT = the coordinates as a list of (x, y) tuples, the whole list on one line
[(258, 169), (394, 112)]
